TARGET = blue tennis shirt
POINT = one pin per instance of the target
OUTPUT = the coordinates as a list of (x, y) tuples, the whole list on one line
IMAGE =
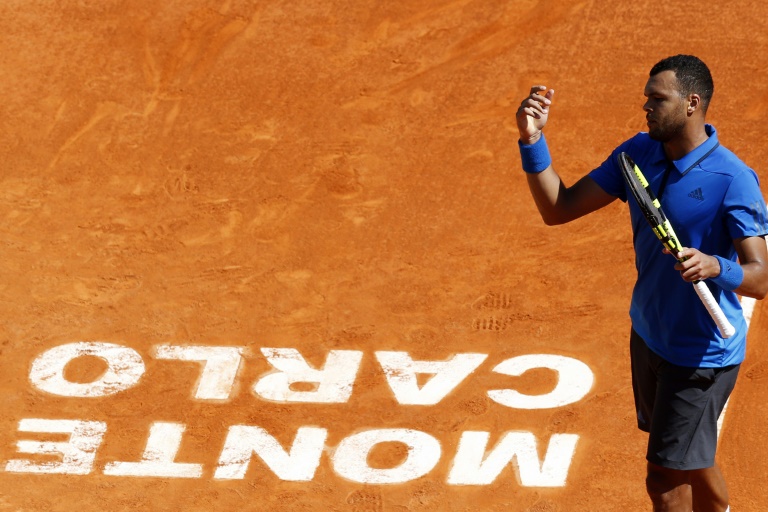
[(710, 198)]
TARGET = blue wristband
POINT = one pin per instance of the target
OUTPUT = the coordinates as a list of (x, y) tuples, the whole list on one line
[(535, 156), (731, 274)]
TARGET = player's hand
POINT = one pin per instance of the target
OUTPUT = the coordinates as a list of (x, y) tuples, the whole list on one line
[(533, 113), (696, 266)]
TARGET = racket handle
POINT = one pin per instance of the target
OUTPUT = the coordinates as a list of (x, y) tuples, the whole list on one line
[(725, 327)]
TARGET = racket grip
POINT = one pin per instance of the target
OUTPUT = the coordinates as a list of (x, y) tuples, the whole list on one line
[(725, 327)]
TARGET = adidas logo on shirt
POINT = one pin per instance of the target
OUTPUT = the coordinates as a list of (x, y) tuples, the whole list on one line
[(696, 194)]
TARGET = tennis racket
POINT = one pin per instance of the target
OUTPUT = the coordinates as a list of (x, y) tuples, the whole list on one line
[(651, 208)]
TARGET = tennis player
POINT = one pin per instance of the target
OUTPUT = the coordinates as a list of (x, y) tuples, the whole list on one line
[(683, 371)]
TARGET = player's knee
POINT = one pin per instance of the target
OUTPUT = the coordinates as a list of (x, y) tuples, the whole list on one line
[(666, 486), (708, 487)]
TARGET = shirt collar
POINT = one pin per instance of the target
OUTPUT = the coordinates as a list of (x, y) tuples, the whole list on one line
[(685, 164)]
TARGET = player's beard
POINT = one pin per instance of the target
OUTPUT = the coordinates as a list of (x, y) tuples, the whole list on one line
[(664, 130)]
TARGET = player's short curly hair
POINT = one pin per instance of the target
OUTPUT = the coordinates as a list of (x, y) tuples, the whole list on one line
[(692, 75)]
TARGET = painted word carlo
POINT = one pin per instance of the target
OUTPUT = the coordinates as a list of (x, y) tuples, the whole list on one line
[(474, 463)]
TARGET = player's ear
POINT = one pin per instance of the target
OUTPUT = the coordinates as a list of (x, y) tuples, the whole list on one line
[(694, 103)]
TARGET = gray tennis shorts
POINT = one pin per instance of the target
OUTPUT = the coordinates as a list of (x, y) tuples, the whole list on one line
[(679, 407)]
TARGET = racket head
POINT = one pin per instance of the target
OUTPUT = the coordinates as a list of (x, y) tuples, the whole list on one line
[(649, 205)]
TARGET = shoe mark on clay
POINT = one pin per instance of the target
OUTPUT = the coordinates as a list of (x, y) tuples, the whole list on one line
[(494, 323), (291, 499), (366, 500), (543, 506), (340, 173), (757, 371), (561, 421), (339, 178), (429, 495), (503, 302), (180, 187), (494, 300)]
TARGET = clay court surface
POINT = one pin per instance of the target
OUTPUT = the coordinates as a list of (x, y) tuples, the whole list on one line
[(336, 175)]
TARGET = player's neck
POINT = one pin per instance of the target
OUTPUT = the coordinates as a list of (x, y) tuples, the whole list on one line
[(693, 136)]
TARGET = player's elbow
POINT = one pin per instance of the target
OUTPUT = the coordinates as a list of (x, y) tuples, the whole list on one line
[(553, 218), (552, 222), (761, 293), (756, 289), (761, 284), (562, 212), (754, 294)]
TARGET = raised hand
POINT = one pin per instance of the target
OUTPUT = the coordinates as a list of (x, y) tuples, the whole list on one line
[(533, 113)]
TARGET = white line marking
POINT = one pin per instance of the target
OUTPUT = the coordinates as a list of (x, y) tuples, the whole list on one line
[(748, 306)]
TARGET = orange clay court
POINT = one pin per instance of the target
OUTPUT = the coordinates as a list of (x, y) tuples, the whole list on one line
[(281, 256)]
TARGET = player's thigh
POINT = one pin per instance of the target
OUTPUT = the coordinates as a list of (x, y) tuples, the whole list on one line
[(689, 401), (644, 376)]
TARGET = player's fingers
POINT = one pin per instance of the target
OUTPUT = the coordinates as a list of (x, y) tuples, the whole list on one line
[(542, 100), (533, 113), (533, 110), (525, 113), (537, 90), (690, 255), (689, 274), (545, 98), (539, 103), (686, 264)]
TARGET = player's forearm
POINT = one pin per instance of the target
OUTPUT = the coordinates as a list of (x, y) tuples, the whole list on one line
[(547, 189), (557, 203), (545, 185), (748, 277), (755, 283)]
